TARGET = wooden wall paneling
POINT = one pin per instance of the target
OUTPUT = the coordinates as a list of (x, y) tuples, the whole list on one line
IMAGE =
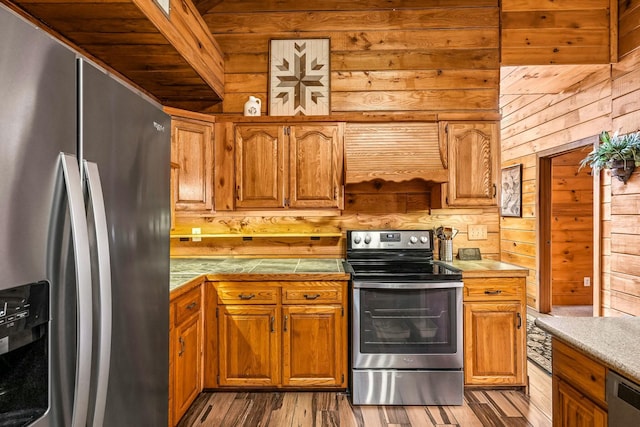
[(548, 32), (629, 27), (400, 58)]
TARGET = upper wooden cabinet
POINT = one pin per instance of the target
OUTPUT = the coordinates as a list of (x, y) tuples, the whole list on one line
[(292, 166), (473, 163), (192, 153), (394, 152)]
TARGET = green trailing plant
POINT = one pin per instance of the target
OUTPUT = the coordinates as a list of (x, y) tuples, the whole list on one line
[(612, 149)]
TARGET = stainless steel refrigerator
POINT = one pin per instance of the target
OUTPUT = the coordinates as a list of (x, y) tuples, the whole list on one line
[(84, 214)]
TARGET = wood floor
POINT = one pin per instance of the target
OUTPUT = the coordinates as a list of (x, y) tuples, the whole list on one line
[(481, 408)]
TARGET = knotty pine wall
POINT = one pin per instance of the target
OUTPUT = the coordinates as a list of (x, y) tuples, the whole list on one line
[(538, 122), (629, 29), (386, 55), (371, 205), (539, 32)]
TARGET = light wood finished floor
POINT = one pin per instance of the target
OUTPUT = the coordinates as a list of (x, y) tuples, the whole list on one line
[(325, 409)]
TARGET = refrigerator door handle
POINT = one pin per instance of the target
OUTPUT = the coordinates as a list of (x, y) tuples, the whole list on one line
[(82, 259), (96, 200)]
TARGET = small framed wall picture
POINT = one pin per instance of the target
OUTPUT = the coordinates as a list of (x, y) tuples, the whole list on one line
[(511, 191), (299, 73)]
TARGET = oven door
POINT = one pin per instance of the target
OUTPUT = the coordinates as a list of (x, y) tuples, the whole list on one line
[(407, 325)]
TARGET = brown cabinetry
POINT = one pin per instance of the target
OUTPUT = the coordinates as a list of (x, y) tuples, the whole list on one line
[(281, 334), (292, 166), (192, 154), (494, 331), (185, 382), (578, 389), (473, 163)]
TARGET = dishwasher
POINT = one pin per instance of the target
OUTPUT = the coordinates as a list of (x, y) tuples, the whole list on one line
[(623, 400)]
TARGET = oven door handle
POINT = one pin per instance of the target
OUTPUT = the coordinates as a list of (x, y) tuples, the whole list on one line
[(357, 284)]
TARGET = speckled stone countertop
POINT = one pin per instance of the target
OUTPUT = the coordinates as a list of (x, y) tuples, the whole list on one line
[(184, 270), (613, 341)]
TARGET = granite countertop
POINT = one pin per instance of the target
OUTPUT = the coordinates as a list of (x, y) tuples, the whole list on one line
[(184, 270), (613, 341), (489, 268)]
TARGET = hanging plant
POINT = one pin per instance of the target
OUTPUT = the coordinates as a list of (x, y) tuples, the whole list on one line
[(621, 154)]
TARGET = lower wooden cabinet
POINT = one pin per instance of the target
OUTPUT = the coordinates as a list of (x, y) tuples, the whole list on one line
[(495, 331), (248, 345), (185, 382), (312, 340), (579, 388), (282, 334)]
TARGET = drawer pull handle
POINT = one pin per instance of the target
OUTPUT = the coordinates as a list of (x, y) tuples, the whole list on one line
[(285, 322), (250, 296), (309, 296), (191, 306), (496, 292)]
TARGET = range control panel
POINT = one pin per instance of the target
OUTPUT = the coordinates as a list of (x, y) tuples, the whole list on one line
[(390, 239)]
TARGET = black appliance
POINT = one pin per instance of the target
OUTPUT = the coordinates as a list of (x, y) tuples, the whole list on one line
[(406, 324), (24, 328)]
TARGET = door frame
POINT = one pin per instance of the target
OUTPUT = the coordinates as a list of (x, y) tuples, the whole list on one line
[(543, 224)]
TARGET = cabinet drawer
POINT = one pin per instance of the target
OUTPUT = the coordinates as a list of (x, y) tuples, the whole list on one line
[(187, 305), (579, 370), (301, 293), (247, 294), (505, 288)]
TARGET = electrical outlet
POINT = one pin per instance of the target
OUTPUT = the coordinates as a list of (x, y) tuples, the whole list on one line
[(476, 232), (196, 231), (587, 281)]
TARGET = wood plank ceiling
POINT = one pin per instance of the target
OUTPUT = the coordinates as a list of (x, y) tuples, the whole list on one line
[(116, 33)]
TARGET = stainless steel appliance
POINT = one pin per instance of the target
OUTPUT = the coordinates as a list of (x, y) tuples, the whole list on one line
[(406, 320), (623, 400), (84, 208)]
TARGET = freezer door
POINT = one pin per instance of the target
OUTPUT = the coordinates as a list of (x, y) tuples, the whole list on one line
[(128, 137), (38, 117)]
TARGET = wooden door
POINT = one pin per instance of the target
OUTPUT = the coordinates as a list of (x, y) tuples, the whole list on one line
[(249, 345), (493, 332), (260, 163), (573, 409), (473, 164), (187, 365), (192, 149), (316, 166), (313, 353)]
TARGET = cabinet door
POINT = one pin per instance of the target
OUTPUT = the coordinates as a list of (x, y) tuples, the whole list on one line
[(573, 409), (473, 164), (260, 162), (192, 150), (187, 365), (315, 166), (249, 345), (313, 346), (493, 333)]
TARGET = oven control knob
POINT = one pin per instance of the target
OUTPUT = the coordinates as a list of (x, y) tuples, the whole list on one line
[(424, 239), (367, 239), (413, 239), (357, 240)]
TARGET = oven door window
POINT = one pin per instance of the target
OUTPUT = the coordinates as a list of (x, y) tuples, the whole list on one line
[(416, 321)]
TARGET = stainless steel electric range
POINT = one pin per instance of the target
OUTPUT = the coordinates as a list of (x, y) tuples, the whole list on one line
[(406, 323)]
